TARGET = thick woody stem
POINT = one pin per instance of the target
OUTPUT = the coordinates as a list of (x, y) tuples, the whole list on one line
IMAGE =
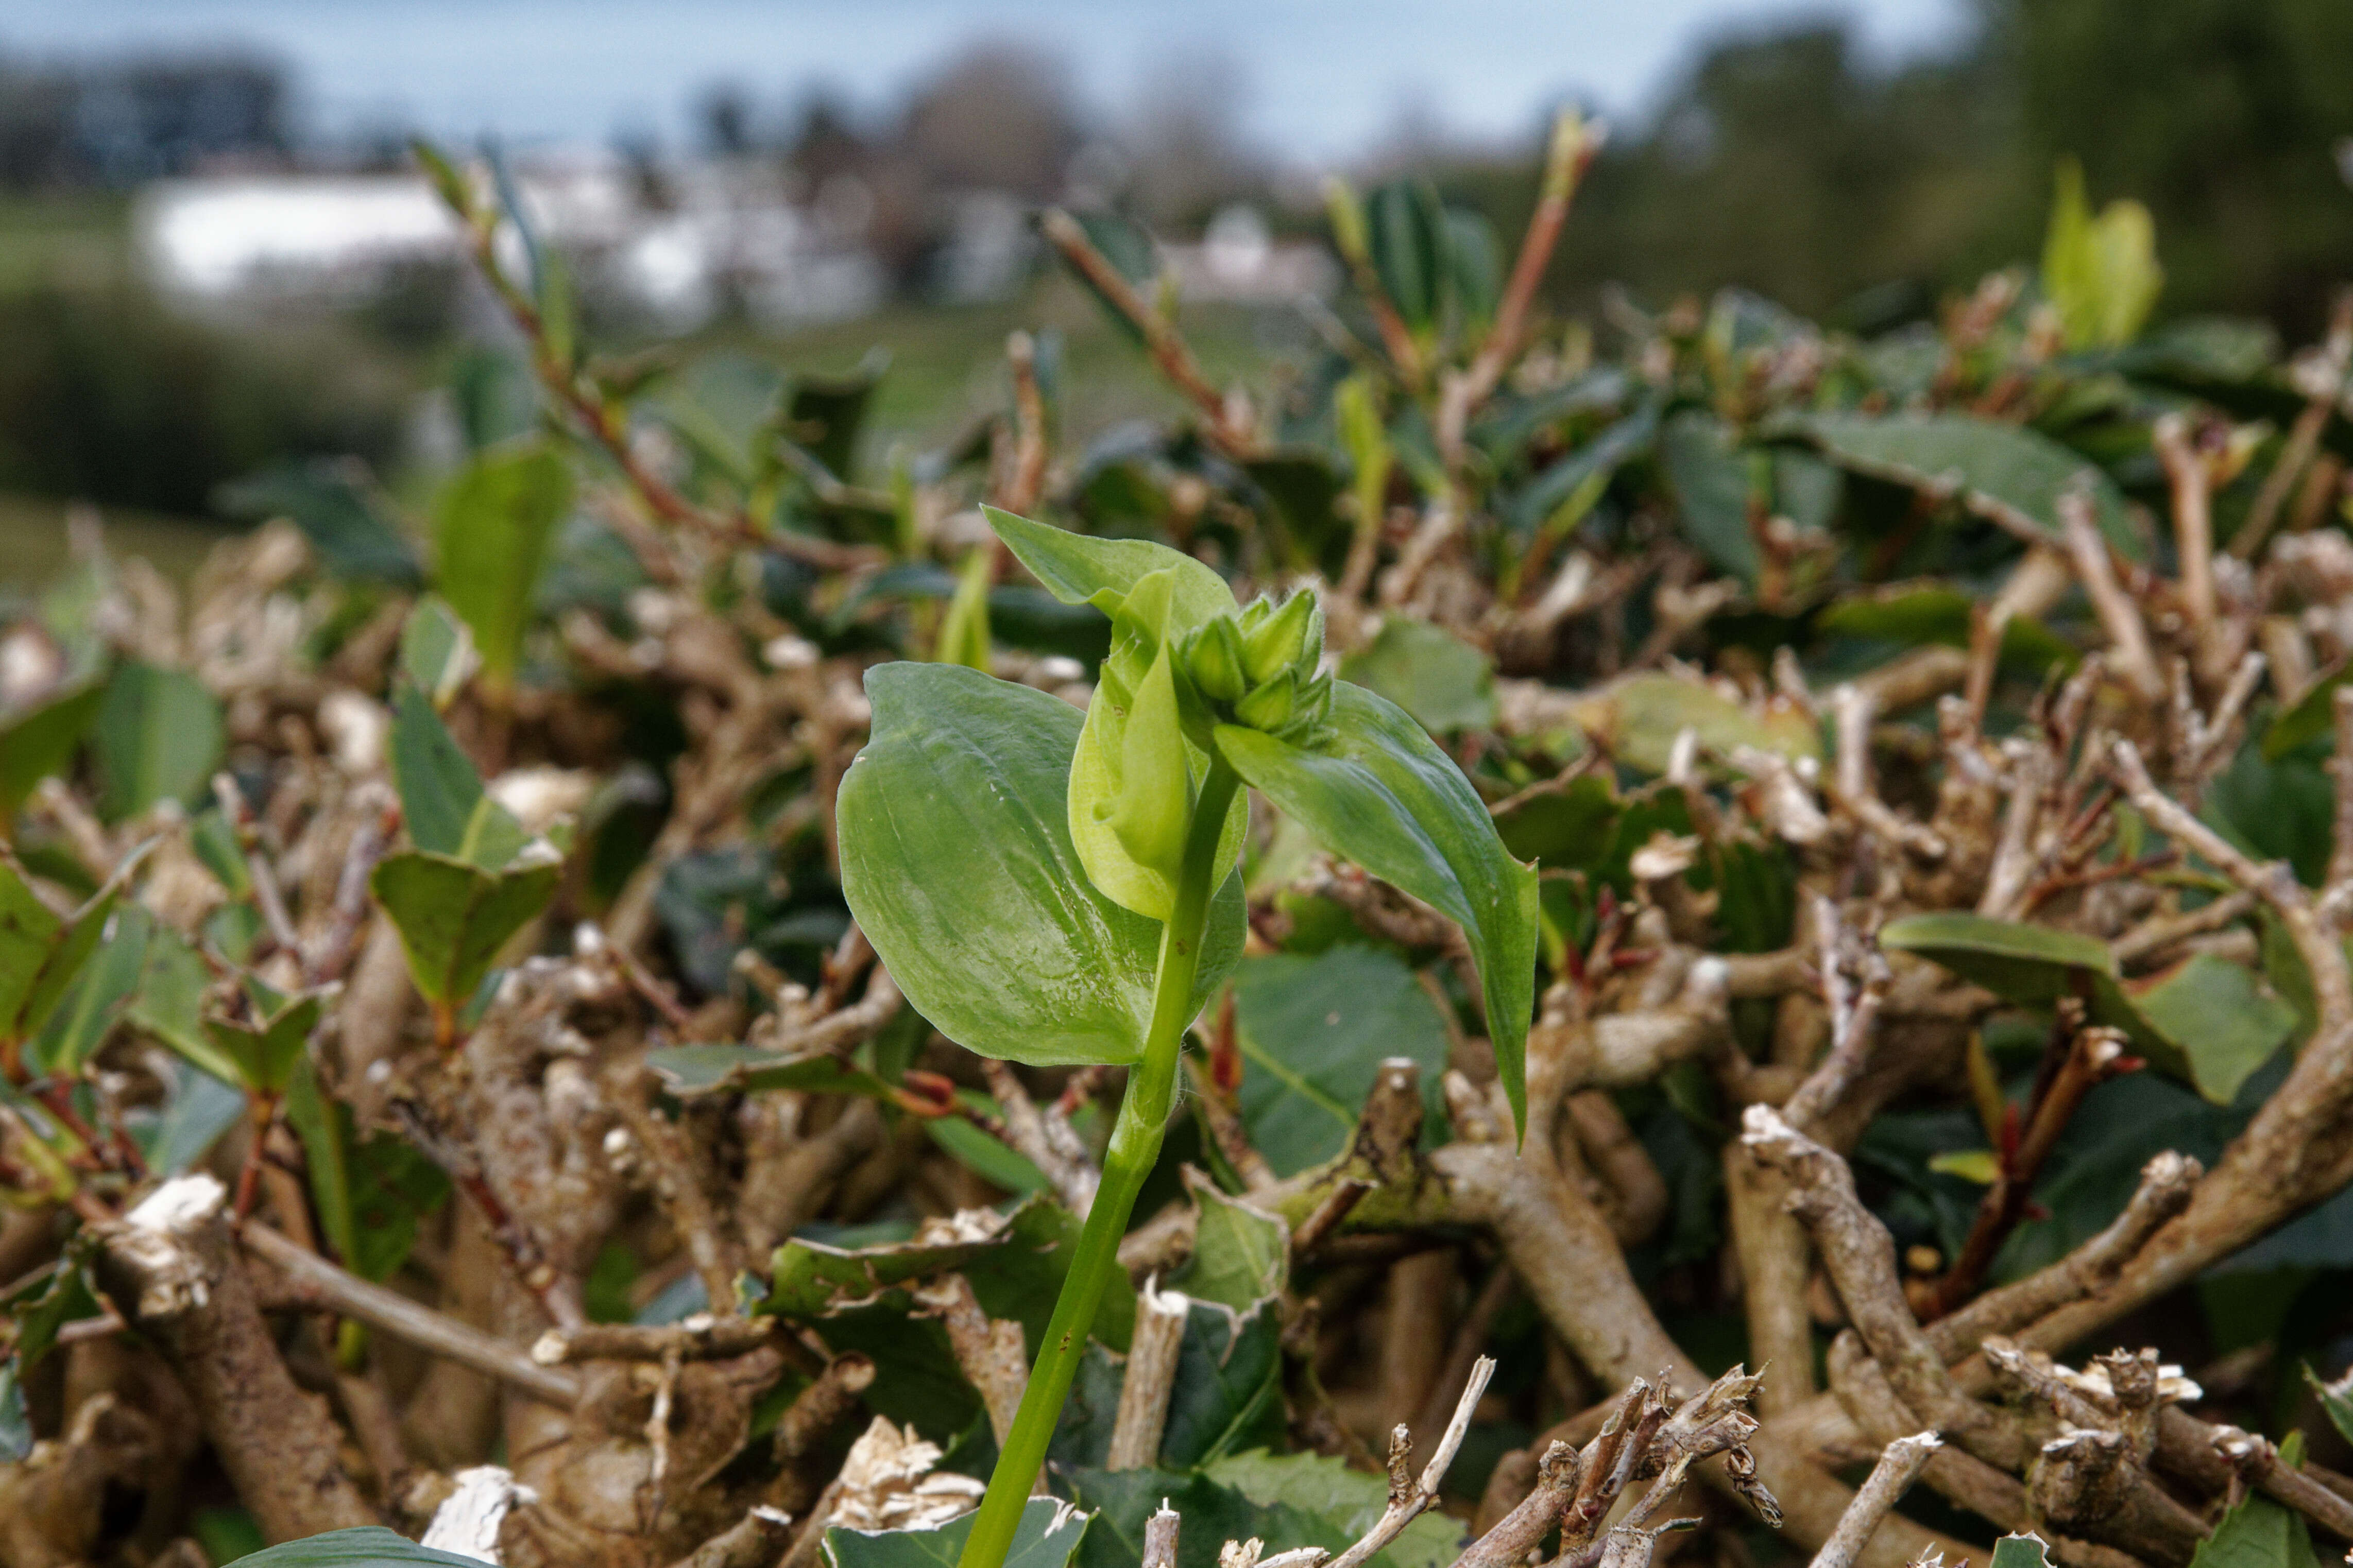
[(172, 1268), (2130, 654)]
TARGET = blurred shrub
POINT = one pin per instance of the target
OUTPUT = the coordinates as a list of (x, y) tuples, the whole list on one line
[(106, 396)]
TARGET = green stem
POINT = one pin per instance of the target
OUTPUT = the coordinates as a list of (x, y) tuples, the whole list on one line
[(1135, 1147)]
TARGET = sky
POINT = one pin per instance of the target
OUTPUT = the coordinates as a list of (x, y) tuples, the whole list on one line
[(1318, 78)]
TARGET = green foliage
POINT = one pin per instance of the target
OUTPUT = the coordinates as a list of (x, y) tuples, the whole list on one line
[(343, 518), (436, 651), (1312, 1034), (958, 804), (41, 952), (2100, 273), (2010, 475), (1386, 797), (159, 737), (39, 741), (263, 1051), (1446, 684), (493, 524), (368, 1546), (2258, 1534)]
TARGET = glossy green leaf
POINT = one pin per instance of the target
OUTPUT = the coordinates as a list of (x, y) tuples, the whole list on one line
[(266, 1052), (1324, 1488), (1444, 682), (170, 1002), (337, 511), (436, 649), (159, 737), (325, 1155), (203, 1107), (39, 740), (1385, 797), (1405, 231), (98, 996), (2309, 717), (1213, 1512), (1229, 1384), (2004, 472), (1078, 569), (956, 859), (51, 1300), (746, 1070), (41, 951), (2020, 1552), (1710, 472), (1312, 1034), (368, 1546), (453, 918), (2258, 1534), (1048, 1536), (494, 522), (1914, 614), (2218, 1016), (2031, 965), (1241, 1253), (1637, 721)]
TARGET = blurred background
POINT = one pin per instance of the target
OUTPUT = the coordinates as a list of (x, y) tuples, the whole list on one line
[(217, 256)]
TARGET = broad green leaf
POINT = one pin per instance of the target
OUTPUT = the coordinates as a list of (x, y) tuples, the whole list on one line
[(956, 859), (1229, 1384), (337, 512), (1637, 721), (1385, 797), (98, 996), (2031, 965), (453, 918), (171, 1002), (1711, 473), (2020, 1552), (2258, 1534), (1048, 1536), (368, 1546), (441, 795), (1314, 1033), (436, 651), (1918, 613), (1568, 828), (1080, 569), (41, 951), (1241, 1253), (810, 1279), (494, 522), (2218, 1017), (2099, 273), (159, 737), (2336, 1398), (1405, 230), (747, 1069), (1444, 682), (1131, 783), (266, 1053), (203, 1107), (2004, 472), (917, 1381), (40, 740), (1324, 1486)]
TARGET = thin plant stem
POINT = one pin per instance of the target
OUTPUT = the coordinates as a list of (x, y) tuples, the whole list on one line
[(1135, 1147)]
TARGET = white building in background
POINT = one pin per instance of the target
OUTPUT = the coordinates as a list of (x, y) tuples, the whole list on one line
[(722, 232)]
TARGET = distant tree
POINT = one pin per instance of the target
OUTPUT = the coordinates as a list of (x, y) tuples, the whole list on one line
[(1182, 147), (2222, 115), (998, 117), (724, 119)]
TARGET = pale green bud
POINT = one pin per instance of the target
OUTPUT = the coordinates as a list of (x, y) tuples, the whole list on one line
[(1269, 706), (1279, 642), (1215, 662)]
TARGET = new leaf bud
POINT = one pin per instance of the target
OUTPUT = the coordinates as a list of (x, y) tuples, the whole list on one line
[(1277, 644), (1214, 662), (1269, 706)]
